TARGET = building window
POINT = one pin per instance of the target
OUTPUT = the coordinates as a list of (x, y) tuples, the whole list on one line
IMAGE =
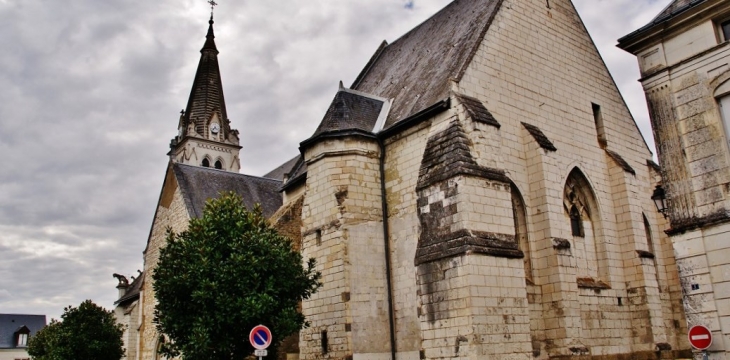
[(324, 342), (652, 250), (218, 165), (725, 27), (724, 103), (600, 130), (520, 221), (576, 223), (581, 212), (22, 340), (206, 162)]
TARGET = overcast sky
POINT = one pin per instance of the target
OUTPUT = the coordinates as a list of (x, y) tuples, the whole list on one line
[(90, 94)]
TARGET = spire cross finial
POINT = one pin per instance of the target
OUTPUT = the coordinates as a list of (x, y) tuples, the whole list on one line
[(213, 4)]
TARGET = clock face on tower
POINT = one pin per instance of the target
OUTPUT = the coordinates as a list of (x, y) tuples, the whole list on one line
[(215, 128)]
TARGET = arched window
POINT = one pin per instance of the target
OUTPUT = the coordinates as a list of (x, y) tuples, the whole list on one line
[(576, 223), (650, 244), (206, 162), (520, 218), (218, 165), (722, 95), (581, 213)]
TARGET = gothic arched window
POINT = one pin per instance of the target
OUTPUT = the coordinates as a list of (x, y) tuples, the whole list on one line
[(581, 212), (576, 223), (218, 165), (206, 162), (520, 219)]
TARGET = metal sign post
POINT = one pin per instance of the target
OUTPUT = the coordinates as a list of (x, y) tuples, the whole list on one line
[(260, 338)]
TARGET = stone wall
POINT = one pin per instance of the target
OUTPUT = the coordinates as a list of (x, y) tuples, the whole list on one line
[(288, 222), (692, 142), (682, 73), (128, 315), (402, 161), (342, 230), (550, 75), (171, 213)]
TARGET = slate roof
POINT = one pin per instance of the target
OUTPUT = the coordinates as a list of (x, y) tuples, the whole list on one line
[(621, 162), (10, 323), (132, 292), (448, 154), (654, 165), (198, 184), (298, 172), (540, 137), (415, 70), (283, 169), (674, 9), (206, 96), (350, 111), (477, 111)]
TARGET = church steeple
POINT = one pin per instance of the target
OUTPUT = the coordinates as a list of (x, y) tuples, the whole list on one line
[(205, 137), (210, 38)]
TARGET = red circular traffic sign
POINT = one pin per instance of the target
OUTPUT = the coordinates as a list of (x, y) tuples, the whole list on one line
[(700, 337), (260, 337)]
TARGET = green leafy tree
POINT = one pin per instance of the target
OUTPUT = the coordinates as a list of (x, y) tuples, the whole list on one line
[(85, 332), (41, 344), (229, 272)]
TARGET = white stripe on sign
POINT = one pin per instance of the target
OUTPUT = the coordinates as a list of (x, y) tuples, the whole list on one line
[(700, 337), (263, 341)]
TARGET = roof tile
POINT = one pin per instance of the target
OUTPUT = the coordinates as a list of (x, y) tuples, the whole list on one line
[(199, 184), (415, 70)]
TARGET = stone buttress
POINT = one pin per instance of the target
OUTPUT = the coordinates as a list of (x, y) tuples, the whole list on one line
[(343, 230), (470, 270)]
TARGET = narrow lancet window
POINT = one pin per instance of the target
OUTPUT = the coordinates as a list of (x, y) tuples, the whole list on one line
[(600, 130), (576, 224)]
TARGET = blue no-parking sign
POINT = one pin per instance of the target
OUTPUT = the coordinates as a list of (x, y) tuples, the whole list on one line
[(260, 337)]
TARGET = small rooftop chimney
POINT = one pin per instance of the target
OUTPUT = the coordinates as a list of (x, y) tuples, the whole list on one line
[(123, 284)]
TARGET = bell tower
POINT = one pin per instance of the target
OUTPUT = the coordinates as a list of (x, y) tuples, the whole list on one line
[(205, 137)]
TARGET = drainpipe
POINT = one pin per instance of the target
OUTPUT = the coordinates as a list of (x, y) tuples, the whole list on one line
[(386, 237)]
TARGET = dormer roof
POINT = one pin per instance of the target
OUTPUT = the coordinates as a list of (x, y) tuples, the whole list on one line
[(13, 324)]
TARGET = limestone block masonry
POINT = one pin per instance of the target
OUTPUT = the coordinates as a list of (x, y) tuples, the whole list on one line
[(486, 262), (684, 62), (171, 212), (342, 230)]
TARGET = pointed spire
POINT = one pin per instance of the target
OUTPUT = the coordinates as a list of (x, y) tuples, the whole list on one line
[(206, 97), (210, 38)]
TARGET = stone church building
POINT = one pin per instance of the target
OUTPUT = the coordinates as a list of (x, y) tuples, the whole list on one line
[(684, 58), (480, 191)]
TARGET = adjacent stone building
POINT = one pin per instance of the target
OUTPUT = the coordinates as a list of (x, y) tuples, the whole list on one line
[(684, 57), (480, 191)]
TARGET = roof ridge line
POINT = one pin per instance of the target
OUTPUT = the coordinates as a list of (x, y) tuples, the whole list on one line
[(225, 172), (363, 94), (369, 65), (478, 43)]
